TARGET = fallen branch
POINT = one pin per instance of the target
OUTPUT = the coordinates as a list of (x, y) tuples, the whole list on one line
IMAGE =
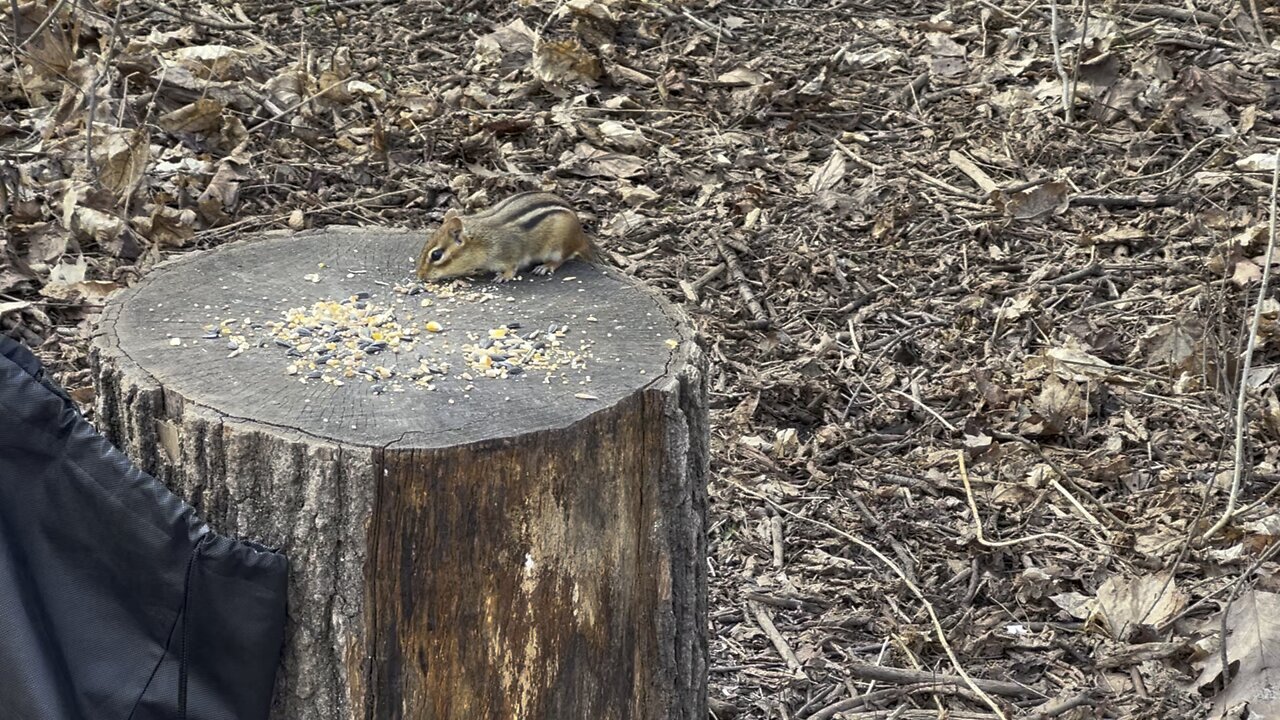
[(761, 318), (1089, 697), (775, 637)]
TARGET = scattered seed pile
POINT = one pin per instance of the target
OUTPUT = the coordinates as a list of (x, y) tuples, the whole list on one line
[(388, 345)]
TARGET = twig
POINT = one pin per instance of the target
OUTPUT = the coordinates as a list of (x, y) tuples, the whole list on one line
[(14, 45), (1257, 503), (1222, 627), (1262, 559), (1135, 654), (1089, 270), (856, 158), (901, 676), (1151, 176), (1140, 200), (776, 535), (917, 84), (90, 164), (867, 699), (977, 518), (721, 33), (779, 643), (1084, 33), (761, 318), (1250, 345), (1029, 184), (976, 197), (268, 9), (1057, 61), (223, 230), (195, 19), (47, 18), (975, 173), (915, 591), (1167, 12), (920, 404), (1257, 23), (690, 289), (1062, 473), (1049, 710), (297, 105)]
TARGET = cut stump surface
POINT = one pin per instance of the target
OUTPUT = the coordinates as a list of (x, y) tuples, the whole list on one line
[(530, 545)]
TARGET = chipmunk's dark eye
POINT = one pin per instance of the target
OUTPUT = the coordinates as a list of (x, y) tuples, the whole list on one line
[(437, 254)]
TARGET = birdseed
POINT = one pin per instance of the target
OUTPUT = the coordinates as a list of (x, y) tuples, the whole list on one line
[(385, 343)]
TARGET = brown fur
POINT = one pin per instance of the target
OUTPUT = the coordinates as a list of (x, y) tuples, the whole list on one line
[(528, 228)]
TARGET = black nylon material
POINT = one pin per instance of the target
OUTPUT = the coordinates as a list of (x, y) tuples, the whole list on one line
[(104, 573)]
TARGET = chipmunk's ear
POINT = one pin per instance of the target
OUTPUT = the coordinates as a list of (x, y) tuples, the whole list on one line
[(453, 226)]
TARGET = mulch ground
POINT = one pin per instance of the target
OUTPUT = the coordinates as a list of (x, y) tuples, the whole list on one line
[(977, 293)]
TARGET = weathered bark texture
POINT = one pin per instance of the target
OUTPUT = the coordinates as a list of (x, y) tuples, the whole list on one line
[(520, 553)]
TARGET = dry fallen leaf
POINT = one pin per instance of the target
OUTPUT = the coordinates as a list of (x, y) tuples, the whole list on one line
[(1172, 344), (786, 442), (1125, 603), (202, 116), (829, 174), (504, 50), (1057, 404), (103, 228), (1253, 650), (563, 63), (601, 10), (171, 227), (1075, 604), (46, 242), (1050, 198), (210, 62), (1117, 235), (1070, 361), (588, 161), (623, 137), (946, 56), (222, 193), (743, 76), (63, 279), (121, 156), (1257, 162)]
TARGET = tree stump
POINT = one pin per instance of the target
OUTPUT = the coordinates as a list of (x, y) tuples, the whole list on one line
[(526, 546)]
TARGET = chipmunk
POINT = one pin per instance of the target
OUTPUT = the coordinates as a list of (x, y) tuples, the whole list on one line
[(524, 229)]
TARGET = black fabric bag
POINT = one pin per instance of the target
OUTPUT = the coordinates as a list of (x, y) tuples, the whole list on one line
[(116, 601)]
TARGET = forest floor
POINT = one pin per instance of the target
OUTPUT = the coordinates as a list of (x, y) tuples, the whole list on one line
[(977, 294)]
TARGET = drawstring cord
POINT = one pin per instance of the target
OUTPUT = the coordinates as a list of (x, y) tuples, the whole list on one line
[(186, 612)]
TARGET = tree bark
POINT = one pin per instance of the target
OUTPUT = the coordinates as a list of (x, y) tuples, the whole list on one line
[(495, 548)]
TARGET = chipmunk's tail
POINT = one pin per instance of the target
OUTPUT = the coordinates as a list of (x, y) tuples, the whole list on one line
[(593, 253)]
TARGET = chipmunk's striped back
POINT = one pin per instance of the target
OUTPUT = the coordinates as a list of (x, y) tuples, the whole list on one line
[(524, 210)]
